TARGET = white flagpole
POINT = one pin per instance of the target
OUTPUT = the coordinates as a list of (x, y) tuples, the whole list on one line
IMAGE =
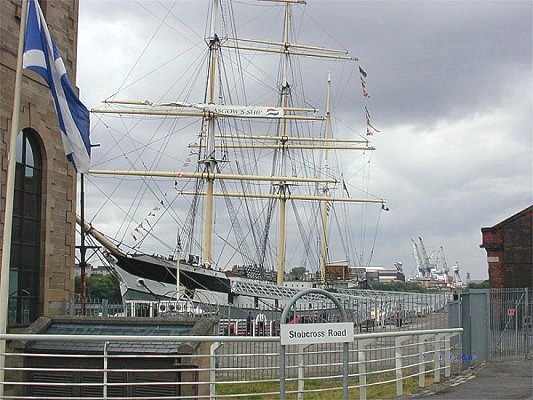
[(10, 190)]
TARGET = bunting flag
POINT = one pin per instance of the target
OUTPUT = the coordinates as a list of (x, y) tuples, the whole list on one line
[(370, 129), (363, 86), (140, 231)]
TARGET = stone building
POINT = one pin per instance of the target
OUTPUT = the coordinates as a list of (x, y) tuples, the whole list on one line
[(510, 251), (43, 243)]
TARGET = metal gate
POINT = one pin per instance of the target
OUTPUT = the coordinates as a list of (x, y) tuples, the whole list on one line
[(511, 322)]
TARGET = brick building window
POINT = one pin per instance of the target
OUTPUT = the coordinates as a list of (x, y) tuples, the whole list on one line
[(25, 265)]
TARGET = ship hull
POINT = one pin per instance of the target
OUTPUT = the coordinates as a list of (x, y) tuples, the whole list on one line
[(156, 276)]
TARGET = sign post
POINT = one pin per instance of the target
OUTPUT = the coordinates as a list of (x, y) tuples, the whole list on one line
[(301, 334)]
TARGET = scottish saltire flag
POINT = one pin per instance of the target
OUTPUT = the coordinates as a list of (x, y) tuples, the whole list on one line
[(41, 56)]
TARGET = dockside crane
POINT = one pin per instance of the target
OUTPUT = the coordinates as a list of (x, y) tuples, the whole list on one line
[(425, 259), (418, 260)]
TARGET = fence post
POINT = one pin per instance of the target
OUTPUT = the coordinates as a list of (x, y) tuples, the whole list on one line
[(436, 361), (301, 383), (212, 370), (422, 360), (398, 355), (104, 389), (447, 356), (361, 362)]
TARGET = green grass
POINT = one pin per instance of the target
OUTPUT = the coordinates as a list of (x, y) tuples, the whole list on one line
[(382, 391)]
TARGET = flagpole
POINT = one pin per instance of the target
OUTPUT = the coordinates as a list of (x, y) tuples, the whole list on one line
[(83, 249), (10, 191)]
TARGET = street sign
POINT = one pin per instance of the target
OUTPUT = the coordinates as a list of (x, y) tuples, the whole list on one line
[(511, 311), (337, 332)]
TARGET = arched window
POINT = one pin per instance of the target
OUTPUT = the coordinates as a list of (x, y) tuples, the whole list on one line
[(25, 266)]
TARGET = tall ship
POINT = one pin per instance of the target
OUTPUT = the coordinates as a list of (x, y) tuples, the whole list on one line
[(239, 171)]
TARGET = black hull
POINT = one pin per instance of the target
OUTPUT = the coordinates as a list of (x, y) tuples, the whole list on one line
[(161, 270)]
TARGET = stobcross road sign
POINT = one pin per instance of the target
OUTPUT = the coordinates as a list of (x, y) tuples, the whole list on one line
[(338, 332)]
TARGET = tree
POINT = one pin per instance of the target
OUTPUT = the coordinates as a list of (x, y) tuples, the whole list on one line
[(101, 287), (399, 286), (481, 285), (297, 273)]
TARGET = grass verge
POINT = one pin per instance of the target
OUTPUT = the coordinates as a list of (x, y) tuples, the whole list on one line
[(254, 390)]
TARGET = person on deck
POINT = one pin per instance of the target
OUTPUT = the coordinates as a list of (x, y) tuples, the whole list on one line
[(261, 320), (249, 324)]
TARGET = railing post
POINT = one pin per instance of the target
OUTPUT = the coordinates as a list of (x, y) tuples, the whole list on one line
[(104, 389), (398, 362), (361, 363), (301, 383), (447, 356), (423, 347), (282, 376), (421, 362), (436, 361), (212, 370)]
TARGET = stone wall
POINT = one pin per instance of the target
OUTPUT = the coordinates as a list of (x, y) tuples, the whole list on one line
[(38, 112)]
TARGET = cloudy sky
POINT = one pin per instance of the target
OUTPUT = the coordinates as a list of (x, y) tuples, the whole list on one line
[(450, 85)]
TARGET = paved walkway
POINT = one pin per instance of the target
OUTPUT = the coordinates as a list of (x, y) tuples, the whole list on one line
[(498, 380)]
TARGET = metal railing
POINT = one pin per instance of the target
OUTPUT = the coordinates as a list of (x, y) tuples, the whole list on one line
[(511, 322), (371, 310), (381, 364)]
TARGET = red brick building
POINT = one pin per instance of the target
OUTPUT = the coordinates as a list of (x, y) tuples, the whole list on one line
[(510, 251)]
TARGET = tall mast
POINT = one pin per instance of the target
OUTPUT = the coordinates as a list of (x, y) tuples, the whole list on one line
[(210, 161), (283, 185), (324, 250)]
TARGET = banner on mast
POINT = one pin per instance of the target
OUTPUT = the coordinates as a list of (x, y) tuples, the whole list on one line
[(41, 56), (245, 111)]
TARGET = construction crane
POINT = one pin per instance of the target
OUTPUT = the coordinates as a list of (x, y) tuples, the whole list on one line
[(456, 277), (418, 260), (425, 259), (441, 266)]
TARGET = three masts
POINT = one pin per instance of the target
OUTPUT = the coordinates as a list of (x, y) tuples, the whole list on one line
[(210, 112)]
